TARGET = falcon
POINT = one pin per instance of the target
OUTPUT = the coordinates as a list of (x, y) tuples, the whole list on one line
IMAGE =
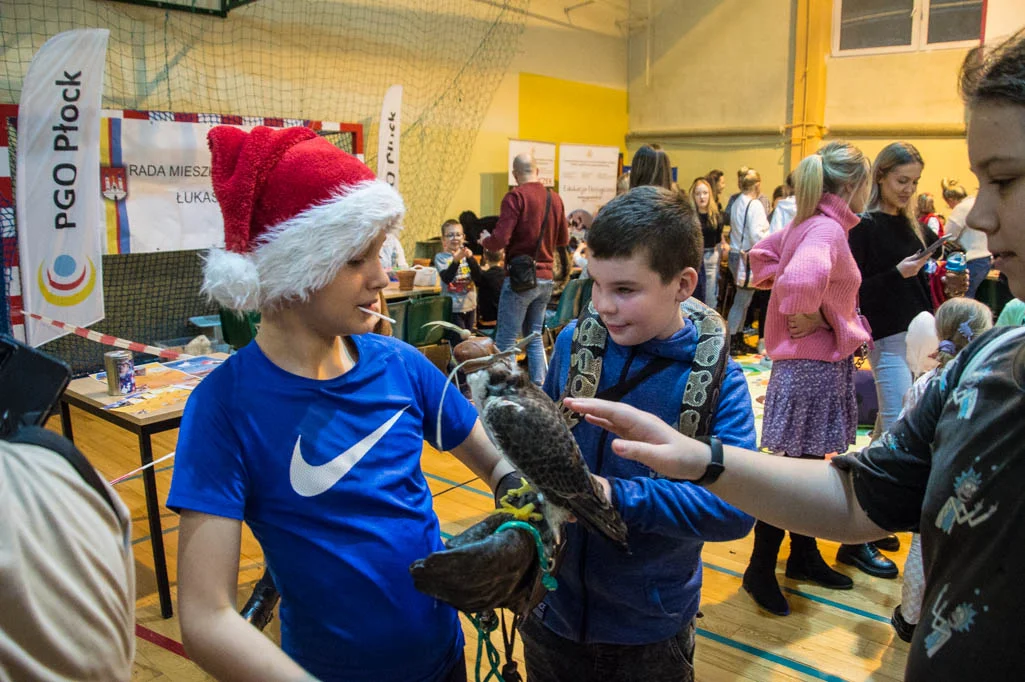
[(529, 431)]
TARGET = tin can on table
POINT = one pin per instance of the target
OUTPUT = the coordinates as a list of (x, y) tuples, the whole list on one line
[(120, 372)]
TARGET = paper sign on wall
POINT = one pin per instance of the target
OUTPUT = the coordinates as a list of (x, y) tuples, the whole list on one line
[(587, 176)]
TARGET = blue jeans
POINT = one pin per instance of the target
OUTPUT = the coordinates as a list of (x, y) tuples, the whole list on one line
[(711, 260), (978, 268), (520, 314), (551, 658), (892, 377), (738, 311)]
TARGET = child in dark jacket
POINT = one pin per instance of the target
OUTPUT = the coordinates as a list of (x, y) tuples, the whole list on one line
[(637, 610), (489, 290)]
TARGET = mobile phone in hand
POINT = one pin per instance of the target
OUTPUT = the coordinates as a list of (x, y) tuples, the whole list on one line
[(31, 383), (932, 248)]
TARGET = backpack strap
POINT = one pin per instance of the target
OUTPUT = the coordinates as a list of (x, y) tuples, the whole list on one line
[(700, 395), (44, 438)]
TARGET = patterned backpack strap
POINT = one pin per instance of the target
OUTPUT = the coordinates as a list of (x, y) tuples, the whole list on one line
[(590, 338), (702, 392)]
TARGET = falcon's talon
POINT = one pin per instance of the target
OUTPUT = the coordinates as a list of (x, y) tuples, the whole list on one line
[(524, 513)]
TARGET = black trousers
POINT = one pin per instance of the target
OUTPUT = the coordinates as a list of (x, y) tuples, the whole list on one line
[(551, 658)]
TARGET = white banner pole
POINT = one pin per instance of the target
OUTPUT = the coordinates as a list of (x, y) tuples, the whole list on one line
[(388, 136), (58, 204)]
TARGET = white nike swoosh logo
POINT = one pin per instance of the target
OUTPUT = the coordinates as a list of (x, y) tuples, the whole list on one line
[(309, 480)]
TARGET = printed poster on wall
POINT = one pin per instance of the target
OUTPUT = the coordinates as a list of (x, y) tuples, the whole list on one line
[(544, 155), (155, 177), (587, 176)]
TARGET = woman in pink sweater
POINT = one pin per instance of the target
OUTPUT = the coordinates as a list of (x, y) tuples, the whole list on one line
[(812, 332)]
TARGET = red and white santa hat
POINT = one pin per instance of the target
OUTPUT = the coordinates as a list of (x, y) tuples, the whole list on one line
[(296, 209)]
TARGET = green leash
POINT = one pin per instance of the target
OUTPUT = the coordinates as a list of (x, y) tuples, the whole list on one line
[(547, 579), (486, 623)]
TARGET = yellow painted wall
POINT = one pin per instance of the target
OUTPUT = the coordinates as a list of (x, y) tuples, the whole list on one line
[(553, 61), (904, 90), (909, 87), (558, 110)]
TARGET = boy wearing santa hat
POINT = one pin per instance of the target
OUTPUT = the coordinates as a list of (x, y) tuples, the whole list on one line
[(312, 435)]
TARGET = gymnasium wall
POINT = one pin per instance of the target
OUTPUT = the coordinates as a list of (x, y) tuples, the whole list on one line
[(873, 100), (714, 84), (714, 70), (564, 85)]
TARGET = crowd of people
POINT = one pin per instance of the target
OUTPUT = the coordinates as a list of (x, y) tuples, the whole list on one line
[(312, 435)]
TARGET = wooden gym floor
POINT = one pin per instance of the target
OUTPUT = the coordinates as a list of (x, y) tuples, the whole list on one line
[(830, 635)]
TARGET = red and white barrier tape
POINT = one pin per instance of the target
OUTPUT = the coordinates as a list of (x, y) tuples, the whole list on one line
[(109, 340), (142, 468)]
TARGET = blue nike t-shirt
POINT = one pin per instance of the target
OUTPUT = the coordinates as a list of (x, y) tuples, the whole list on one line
[(327, 475)]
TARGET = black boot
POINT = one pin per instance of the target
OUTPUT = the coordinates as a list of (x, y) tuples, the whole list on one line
[(259, 609), (904, 629), (736, 345), (806, 563), (760, 576), (867, 558), (891, 543)]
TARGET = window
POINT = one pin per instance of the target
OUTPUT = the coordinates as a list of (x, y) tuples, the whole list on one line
[(875, 26)]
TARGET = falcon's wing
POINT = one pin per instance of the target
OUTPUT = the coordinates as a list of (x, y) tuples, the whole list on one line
[(529, 430)]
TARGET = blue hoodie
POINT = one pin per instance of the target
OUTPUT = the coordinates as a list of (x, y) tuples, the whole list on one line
[(604, 595)]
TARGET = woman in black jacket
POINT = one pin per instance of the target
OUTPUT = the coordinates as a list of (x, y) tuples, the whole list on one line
[(889, 247)]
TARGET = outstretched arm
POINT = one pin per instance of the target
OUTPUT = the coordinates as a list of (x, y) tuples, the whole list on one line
[(810, 497)]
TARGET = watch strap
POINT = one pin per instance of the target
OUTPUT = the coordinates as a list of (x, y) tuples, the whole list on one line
[(715, 466)]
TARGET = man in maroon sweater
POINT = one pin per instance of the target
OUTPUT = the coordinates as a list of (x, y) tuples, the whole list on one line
[(517, 231)]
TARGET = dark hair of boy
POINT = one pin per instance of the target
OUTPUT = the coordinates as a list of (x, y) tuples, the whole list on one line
[(447, 223), (493, 257), (661, 222)]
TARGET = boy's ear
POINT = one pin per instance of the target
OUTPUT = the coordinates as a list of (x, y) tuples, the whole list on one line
[(686, 282)]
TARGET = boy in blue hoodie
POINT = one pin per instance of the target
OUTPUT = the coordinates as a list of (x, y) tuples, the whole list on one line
[(616, 616)]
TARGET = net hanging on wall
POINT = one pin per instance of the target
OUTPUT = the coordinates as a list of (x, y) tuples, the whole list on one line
[(315, 59)]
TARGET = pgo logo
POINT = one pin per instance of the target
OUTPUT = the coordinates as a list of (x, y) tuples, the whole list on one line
[(65, 282)]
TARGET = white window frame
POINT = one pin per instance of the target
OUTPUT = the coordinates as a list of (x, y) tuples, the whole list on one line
[(919, 34)]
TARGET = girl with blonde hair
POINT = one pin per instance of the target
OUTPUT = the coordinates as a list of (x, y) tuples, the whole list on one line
[(703, 196), (925, 213), (812, 332), (888, 247)]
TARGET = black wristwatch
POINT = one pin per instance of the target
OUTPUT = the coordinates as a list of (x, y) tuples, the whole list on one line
[(715, 466)]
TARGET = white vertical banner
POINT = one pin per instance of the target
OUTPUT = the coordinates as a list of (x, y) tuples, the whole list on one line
[(58, 203), (544, 157), (587, 176), (388, 134)]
